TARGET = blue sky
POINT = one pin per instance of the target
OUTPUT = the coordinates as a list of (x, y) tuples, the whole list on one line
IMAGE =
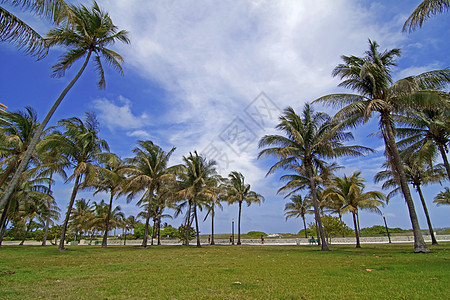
[(197, 71)]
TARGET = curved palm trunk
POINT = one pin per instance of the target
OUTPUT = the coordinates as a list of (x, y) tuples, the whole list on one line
[(30, 149), (397, 168), (108, 217), (212, 225), (304, 225), (425, 209), (312, 187), (444, 158), (196, 226), (69, 210), (239, 223), (358, 245), (26, 232)]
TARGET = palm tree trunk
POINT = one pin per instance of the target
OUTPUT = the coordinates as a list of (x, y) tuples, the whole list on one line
[(304, 225), (30, 149), (47, 224), (196, 226), (69, 210), (343, 224), (147, 219), (399, 172), (239, 223), (317, 232), (357, 220), (47, 221), (108, 217), (145, 238), (444, 158), (427, 215), (312, 187), (3, 221), (153, 230), (26, 232), (358, 245), (159, 231), (212, 225), (188, 224)]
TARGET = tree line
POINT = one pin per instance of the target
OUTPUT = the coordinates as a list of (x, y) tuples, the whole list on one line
[(413, 116)]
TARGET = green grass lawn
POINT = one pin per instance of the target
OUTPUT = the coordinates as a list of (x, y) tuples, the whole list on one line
[(225, 272)]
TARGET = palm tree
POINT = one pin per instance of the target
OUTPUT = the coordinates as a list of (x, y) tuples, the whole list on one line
[(16, 132), (427, 131), (239, 191), (218, 187), (307, 140), (147, 172), (298, 207), (111, 179), (195, 186), (424, 11), (91, 33), (81, 216), (16, 31), (50, 162), (81, 145), (443, 198), (418, 174), (349, 192), (370, 76)]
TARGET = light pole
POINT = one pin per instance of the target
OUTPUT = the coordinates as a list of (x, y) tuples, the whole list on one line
[(232, 231), (387, 230)]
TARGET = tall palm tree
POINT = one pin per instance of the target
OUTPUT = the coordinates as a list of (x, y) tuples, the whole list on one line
[(418, 174), (298, 207), (195, 186), (147, 172), (81, 145), (111, 180), (349, 192), (443, 198), (371, 78), (239, 191), (16, 31), (307, 141), (424, 12), (91, 33)]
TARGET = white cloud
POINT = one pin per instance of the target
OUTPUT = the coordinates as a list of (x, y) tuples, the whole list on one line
[(141, 134), (120, 115)]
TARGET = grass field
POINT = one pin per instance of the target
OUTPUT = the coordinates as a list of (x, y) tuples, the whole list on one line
[(224, 272)]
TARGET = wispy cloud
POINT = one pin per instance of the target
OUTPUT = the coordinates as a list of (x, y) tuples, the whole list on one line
[(119, 115)]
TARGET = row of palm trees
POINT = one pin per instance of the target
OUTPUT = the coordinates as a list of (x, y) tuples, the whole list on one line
[(415, 110), (75, 151)]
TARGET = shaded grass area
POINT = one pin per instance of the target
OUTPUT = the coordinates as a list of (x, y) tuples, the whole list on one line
[(225, 272)]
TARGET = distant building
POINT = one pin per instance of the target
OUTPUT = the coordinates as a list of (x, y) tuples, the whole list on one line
[(3, 106)]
